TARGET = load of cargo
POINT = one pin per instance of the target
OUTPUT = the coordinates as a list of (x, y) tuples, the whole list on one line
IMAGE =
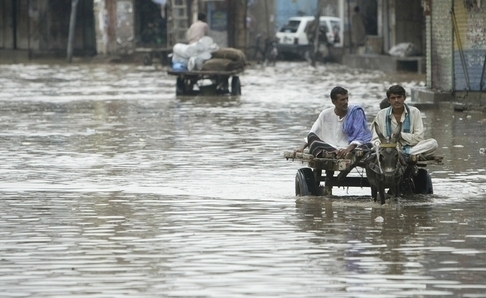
[(206, 55)]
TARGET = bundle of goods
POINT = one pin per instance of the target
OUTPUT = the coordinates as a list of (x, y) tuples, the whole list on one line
[(225, 59), (192, 56), (206, 55)]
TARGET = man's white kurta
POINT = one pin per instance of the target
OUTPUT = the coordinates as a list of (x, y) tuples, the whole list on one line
[(416, 126), (415, 138), (329, 128)]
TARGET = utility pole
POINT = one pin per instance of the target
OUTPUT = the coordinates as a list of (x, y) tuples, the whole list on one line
[(72, 27), (350, 26), (317, 25)]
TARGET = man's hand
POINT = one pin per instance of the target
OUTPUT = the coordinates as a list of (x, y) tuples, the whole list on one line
[(342, 153), (301, 149)]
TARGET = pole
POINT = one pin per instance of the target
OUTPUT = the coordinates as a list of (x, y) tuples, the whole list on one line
[(349, 28), (317, 24), (72, 26), (267, 19), (461, 51), (14, 23)]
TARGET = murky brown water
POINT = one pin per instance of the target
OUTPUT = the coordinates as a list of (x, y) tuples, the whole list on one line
[(111, 186)]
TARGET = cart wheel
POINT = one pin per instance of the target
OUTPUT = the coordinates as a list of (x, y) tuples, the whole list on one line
[(235, 86), (147, 59), (408, 186), (305, 183), (180, 87), (423, 182)]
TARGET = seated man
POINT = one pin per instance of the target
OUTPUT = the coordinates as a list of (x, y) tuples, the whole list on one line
[(412, 137), (339, 129), (199, 29)]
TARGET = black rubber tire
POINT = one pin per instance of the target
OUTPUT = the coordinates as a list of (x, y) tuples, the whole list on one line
[(235, 86), (423, 182), (305, 183), (180, 87), (408, 186)]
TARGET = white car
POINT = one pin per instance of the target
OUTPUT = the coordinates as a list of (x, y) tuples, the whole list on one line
[(292, 37)]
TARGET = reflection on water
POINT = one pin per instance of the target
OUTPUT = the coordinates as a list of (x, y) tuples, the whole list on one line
[(415, 250), (112, 186)]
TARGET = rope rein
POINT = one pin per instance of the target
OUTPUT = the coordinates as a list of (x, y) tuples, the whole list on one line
[(378, 159), (378, 148)]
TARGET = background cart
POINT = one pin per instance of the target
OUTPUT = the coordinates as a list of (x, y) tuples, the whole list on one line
[(222, 82)]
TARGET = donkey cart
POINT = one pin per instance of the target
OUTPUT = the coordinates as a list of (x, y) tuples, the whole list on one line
[(220, 82), (321, 169)]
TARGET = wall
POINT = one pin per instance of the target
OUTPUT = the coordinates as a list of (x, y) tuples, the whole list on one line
[(23, 24), (17, 19), (469, 25), (41, 27), (217, 19), (101, 25), (237, 24), (6, 28), (125, 21), (114, 26), (439, 67)]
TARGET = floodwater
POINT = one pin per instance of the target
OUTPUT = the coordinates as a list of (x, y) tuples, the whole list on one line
[(111, 186)]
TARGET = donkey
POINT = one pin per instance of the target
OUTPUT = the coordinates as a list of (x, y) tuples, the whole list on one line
[(385, 167)]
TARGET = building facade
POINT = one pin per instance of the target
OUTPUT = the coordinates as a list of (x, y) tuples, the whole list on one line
[(33, 28), (41, 27), (457, 45)]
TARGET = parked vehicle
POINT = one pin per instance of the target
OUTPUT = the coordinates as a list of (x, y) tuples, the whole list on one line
[(292, 37)]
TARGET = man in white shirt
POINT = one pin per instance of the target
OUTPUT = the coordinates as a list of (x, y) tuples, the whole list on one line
[(412, 136), (339, 129), (199, 29)]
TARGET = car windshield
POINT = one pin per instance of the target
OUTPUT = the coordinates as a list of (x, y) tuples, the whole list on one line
[(336, 27), (291, 26)]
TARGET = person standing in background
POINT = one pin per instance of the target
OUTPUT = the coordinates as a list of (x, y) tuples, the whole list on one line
[(358, 29)]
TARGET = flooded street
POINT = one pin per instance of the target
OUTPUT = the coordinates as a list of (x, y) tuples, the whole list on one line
[(111, 186)]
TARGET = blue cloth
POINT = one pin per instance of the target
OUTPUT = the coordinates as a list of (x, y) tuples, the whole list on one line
[(356, 127), (177, 66), (405, 126)]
